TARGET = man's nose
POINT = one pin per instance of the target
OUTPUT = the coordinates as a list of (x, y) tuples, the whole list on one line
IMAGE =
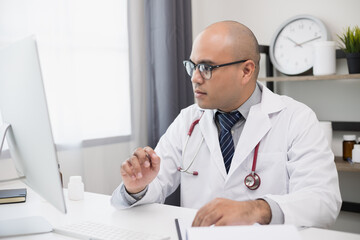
[(196, 77)]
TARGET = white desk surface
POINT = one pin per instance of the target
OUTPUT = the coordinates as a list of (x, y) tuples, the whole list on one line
[(153, 218)]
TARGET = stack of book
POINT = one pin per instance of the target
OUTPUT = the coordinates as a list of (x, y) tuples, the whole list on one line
[(12, 195)]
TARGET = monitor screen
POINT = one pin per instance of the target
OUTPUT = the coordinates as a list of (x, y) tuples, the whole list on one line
[(23, 105)]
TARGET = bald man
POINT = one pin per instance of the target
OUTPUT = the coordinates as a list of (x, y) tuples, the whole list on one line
[(253, 156)]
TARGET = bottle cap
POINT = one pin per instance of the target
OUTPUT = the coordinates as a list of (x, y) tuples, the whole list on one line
[(75, 179), (356, 146), (349, 137)]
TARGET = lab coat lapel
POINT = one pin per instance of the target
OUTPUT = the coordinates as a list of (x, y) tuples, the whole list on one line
[(211, 136), (256, 126)]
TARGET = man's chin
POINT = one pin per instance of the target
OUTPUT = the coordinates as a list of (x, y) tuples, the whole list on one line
[(204, 106)]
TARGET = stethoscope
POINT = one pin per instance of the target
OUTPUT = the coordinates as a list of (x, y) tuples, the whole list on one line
[(252, 181)]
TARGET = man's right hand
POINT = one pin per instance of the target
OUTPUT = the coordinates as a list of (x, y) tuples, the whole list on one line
[(140, 169)]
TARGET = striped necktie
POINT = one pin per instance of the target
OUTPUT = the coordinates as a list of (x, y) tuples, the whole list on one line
[(227, 121)]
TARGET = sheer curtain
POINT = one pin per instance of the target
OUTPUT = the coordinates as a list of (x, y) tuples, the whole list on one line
[(168, 43), (83, 48)]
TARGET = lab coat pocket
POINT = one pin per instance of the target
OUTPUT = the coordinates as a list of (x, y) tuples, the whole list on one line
[(271, 167)]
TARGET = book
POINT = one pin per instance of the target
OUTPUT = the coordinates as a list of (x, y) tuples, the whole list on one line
[(12, 195)]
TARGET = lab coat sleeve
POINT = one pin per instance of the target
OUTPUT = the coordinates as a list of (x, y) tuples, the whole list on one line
[(169, 149), (121, 199), (313, 197)]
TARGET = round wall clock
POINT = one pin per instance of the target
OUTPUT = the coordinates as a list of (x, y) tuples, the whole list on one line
[(291, 48)]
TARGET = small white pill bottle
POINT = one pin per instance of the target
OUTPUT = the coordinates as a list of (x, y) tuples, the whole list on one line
[(76, 188), (356, 153)]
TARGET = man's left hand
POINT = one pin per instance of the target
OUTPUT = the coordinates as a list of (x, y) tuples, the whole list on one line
[(221, 212)]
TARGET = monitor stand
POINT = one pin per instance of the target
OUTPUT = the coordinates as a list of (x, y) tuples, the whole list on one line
[(20, 226), (3, 129)]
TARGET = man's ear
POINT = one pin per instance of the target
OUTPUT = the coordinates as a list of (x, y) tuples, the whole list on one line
[(248, 70)]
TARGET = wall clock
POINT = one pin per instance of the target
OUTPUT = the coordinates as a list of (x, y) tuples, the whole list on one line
[(291, 48)]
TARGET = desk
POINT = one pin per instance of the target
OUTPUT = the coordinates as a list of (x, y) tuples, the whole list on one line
[(153, 218)]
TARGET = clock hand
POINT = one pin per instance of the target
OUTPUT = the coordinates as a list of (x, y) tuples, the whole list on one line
[(309, 40), (296, 44)]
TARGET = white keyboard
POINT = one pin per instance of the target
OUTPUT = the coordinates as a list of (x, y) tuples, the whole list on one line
[(99, 231)]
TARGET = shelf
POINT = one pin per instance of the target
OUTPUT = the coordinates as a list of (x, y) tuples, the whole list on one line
[(343, 166), (310, 78), (346, 126)]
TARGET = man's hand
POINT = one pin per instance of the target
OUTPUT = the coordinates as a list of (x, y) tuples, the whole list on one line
[(140, 169), (221, 212)]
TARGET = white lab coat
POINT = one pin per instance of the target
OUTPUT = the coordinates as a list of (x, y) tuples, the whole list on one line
[(294, 162)]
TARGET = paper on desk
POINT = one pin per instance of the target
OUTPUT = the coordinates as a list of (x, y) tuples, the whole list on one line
[(278, 232)]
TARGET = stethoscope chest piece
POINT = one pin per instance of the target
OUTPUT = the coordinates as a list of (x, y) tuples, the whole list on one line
[(252, 181)]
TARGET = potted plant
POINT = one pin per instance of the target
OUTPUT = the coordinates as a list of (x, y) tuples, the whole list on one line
[(350, 40)]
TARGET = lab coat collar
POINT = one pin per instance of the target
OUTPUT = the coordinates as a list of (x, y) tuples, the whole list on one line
[(270, 102), (244, 109)]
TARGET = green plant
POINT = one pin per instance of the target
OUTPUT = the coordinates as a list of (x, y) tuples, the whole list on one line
[(351, 40)]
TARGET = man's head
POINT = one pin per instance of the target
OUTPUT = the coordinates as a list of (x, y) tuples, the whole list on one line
[(229, 86)]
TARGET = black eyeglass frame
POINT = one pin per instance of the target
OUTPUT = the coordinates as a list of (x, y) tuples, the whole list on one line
[(211, 67)]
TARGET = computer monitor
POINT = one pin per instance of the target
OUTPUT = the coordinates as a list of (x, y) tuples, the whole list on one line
[(23, 105)]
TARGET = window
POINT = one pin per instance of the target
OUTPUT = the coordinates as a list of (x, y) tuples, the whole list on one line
[(83, 48)]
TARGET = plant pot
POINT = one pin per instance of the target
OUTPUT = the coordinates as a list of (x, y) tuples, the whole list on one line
[(353, 61)]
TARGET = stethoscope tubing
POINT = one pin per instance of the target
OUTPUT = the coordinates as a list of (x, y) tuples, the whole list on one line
[(253, 176), (191, 129), (255, 158), (195, 173)]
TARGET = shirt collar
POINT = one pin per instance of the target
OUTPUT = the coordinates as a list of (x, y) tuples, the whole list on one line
[(244, 109)]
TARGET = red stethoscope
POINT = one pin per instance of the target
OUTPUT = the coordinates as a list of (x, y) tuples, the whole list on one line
[(252, 181)]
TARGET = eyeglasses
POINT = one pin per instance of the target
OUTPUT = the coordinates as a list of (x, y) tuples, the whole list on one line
[(205, 69)]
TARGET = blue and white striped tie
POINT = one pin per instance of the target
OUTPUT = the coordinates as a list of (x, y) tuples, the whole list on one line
[(227, 121)]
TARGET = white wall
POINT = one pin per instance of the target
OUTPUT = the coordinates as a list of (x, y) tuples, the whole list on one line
[(99, 166), (264, 16)]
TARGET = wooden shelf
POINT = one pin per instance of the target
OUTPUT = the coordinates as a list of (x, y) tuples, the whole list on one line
[(344, 166), (310, 78)]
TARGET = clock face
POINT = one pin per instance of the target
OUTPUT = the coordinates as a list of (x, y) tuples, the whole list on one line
[(292, 48)]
